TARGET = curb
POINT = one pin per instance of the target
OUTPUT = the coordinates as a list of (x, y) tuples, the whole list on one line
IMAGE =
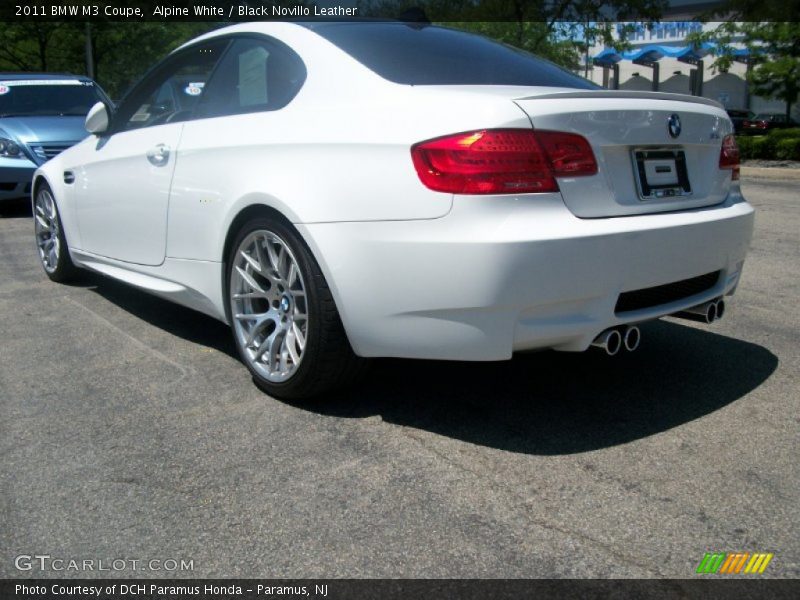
[(771, 173)]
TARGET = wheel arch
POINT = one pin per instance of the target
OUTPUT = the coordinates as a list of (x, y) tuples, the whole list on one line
[(259, 209), (38, 179)]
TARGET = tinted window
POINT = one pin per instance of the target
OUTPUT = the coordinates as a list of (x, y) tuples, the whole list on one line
[(255, 75), (172, 91), (428, 55), (42, 97)]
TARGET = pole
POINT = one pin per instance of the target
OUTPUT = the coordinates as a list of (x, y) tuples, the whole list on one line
[(89, 51)]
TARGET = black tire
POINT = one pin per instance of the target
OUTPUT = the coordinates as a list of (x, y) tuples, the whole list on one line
[(61, 269), (328, 361)]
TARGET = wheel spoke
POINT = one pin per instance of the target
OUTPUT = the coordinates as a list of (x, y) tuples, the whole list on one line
[(291, 343), (281, 262), (298, 336), (261, 255), (257, 327), (250, 295), (292, 277), (273, 258), (251, 261), (43, 223), (248, 279), (273, 350)]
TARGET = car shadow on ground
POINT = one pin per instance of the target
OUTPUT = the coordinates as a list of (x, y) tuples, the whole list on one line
[(188, 324), (540, 403), (552, 403)]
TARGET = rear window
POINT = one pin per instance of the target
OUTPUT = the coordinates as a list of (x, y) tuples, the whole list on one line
[(47, 97), (416, 54)]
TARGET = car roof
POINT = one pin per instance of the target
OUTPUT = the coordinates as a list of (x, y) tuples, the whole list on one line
[(28, 75)]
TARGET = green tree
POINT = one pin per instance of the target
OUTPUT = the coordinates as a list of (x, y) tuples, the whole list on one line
[(27, 45), (773, 42), (121, 51)]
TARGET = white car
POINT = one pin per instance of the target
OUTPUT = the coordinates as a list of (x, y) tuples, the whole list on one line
[(336, 191)]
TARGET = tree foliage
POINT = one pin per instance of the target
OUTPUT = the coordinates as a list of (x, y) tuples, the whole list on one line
[(771, 32), (122, 51)]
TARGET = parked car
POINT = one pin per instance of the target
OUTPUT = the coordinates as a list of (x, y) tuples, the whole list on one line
[(764, 122), (336, 191), (41, 115), (738, 117)]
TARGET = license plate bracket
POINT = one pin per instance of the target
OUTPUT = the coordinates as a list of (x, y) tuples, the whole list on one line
[(661, 173)]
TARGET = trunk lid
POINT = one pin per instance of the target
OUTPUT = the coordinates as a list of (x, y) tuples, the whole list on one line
[(642, 168)]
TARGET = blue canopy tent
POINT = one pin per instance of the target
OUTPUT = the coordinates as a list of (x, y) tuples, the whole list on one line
[(649, 55)]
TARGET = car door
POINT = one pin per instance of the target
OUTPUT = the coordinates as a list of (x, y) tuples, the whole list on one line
[(124, 182), (240, 123)]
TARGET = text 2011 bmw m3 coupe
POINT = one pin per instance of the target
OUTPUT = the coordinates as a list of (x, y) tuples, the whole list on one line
[(336, 191)]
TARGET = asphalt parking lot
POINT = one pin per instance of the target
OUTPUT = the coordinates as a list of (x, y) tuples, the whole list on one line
[(129, 429)]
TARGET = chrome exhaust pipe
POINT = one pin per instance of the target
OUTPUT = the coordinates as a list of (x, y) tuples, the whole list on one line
[(610, 341), (632, 338), (704, 313), (720, 308)]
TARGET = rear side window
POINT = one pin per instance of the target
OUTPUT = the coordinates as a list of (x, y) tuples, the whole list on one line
[(254, 75), (427, 55)]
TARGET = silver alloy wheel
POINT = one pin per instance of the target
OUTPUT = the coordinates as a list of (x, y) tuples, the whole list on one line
[(47, 230), (269, 307)]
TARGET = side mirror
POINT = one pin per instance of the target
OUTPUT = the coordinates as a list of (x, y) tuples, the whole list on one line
[(97, 120)]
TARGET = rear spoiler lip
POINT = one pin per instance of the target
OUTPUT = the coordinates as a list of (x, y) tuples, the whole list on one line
[(624, 94)]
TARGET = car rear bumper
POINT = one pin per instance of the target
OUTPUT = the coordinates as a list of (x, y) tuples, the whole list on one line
[(503, 274), (15, 178)]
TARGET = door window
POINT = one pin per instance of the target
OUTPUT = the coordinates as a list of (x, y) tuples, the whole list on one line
[(171, 92)]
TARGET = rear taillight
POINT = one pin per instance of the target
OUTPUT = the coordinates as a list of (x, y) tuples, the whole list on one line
[(729, 156), (502, 161)]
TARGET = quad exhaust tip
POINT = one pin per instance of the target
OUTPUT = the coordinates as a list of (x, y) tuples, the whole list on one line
[(610, 341), (632, 338), (615, 339), (720, 304), (708, 312)]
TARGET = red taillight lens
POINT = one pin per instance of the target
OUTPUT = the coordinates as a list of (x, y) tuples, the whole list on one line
[(569, 154), (501, 161), (729, 156)]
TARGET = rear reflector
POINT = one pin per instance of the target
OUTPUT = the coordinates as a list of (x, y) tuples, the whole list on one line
[(502, 161), (729, 156)]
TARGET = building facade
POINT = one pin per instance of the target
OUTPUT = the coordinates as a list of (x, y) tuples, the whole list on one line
[(661, 59)]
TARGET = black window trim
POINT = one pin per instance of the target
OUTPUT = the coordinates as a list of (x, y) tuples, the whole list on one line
[(158, 68)]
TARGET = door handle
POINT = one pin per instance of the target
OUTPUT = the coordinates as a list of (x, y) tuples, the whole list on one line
[(159, 155)]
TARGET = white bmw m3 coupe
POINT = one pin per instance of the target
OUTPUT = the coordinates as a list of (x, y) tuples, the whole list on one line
[(336, 191)]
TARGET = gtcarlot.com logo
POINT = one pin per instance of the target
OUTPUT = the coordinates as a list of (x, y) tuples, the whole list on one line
[(734, 563), (46, 562)]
